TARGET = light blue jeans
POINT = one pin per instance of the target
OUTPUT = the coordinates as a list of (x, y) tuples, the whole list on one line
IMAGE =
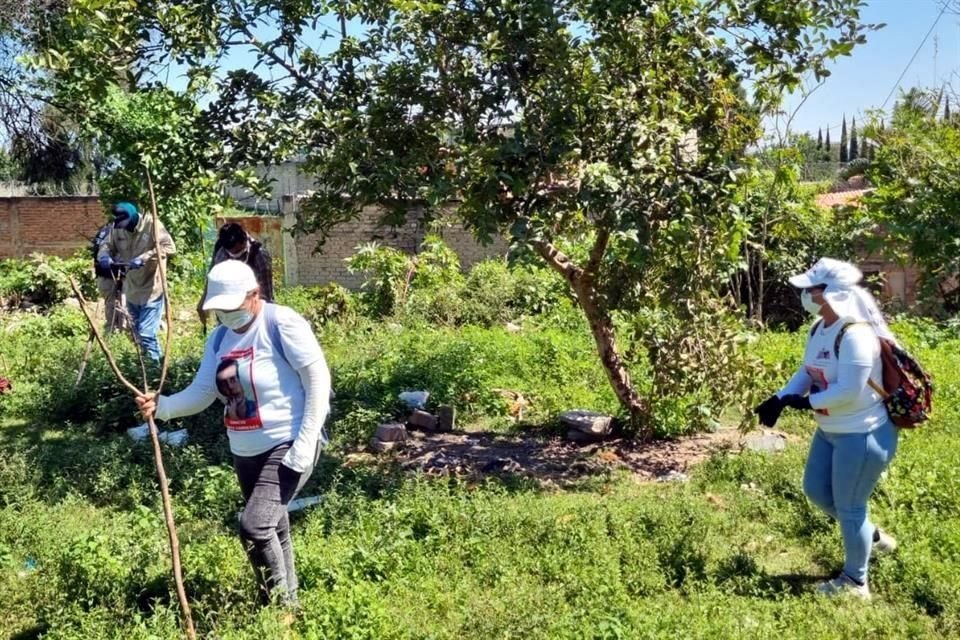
[(841, 472), (146, 324)]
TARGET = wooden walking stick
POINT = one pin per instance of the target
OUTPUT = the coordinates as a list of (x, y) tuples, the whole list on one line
[(154, 437), (87, 351)]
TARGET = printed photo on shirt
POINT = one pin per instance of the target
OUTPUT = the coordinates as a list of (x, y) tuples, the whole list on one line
[(236, 386), (819, 383)]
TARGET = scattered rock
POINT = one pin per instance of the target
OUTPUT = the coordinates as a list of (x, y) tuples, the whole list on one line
[(765, 441), (673, 476), (423, 420), (576, 435), (501, 465), (446, 418), (379, 446), (513, 327), (391, 432), (589, 422)]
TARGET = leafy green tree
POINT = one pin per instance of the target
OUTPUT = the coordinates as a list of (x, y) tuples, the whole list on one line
[(98, 63), (594, 134), (917, 195)]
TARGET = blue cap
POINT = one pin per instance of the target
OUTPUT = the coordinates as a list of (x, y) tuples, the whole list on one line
[(125, 215)]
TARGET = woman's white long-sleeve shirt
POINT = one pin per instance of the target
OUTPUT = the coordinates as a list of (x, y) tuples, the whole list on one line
[(271, 395), (840, 394)]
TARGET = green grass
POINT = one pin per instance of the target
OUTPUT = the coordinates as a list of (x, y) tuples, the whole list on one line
[(731, 554)]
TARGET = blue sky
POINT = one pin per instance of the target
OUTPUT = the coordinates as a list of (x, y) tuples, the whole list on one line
[(859, 83), (862, 81)]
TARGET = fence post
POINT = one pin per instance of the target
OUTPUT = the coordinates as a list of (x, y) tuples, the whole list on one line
[(291, 272)]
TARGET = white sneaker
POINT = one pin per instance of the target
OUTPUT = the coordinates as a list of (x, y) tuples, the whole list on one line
[(843, 585), (885, 543)]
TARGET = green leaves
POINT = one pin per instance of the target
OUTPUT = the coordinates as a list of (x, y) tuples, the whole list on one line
[(917, 195)]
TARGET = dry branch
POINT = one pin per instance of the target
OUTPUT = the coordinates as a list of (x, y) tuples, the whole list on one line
[(154, 437)]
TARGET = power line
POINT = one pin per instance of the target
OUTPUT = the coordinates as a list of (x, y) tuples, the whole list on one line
[(914, 56)]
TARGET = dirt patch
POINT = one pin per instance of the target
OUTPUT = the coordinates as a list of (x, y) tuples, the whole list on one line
[(550, 460)]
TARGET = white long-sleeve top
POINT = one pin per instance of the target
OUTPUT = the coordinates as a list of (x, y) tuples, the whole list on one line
[(839, 389), (269, 397)]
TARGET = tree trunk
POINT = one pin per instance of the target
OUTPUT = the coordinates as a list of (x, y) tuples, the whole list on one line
[(582, 281)]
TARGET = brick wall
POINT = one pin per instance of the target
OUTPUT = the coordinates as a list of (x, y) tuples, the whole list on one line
[(328, 263), (50, 225)]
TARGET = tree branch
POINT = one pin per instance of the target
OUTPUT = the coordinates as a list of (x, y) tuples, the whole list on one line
[(161, 265), (597, 253), (103, 345), (237, 20), (558, 261)]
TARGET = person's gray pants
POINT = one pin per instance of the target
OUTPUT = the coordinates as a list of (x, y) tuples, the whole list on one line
[(267, 487)]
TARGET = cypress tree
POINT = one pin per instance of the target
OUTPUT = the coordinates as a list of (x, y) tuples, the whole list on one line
[(844, 155), (820, 135), (854, 144), (829, 148), (946, 110)]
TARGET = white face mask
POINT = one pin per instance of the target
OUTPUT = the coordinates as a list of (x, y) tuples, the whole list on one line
[(234, 319), (240, 256), (811, 307)]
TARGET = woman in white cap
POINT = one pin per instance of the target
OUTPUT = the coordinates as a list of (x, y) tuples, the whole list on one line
[(855, 439), (278, 367)]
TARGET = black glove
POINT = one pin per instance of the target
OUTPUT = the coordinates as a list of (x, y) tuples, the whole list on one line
[(797, 402), (769, 411)]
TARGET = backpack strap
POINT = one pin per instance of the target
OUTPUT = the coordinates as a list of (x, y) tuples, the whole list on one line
[(218, 334), (816, 325), (840, 335), (273, 328)]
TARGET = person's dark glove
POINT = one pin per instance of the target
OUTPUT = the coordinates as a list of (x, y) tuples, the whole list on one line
[(136, 263), (769, 411), (797, 402), (104, 262)]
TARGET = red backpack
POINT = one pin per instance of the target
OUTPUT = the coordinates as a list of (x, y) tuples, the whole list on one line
[(907, 389)]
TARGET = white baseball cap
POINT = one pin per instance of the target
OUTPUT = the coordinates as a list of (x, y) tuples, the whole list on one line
[(228, 284), (834, 274)]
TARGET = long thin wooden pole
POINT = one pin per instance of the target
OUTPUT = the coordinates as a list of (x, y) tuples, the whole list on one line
[(174, 539), (157, 454)]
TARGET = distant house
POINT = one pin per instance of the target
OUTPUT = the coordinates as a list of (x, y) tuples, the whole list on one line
[(892, 281)]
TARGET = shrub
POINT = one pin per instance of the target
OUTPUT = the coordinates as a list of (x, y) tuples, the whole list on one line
[(45, 280)]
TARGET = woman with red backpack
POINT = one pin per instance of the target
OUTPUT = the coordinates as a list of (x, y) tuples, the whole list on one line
[(840, 382)]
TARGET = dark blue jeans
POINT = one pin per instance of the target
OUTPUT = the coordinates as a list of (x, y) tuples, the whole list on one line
[(841, 472), (267, 487)]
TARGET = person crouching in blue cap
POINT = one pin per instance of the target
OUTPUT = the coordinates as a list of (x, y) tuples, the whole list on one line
[(131, 242)]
